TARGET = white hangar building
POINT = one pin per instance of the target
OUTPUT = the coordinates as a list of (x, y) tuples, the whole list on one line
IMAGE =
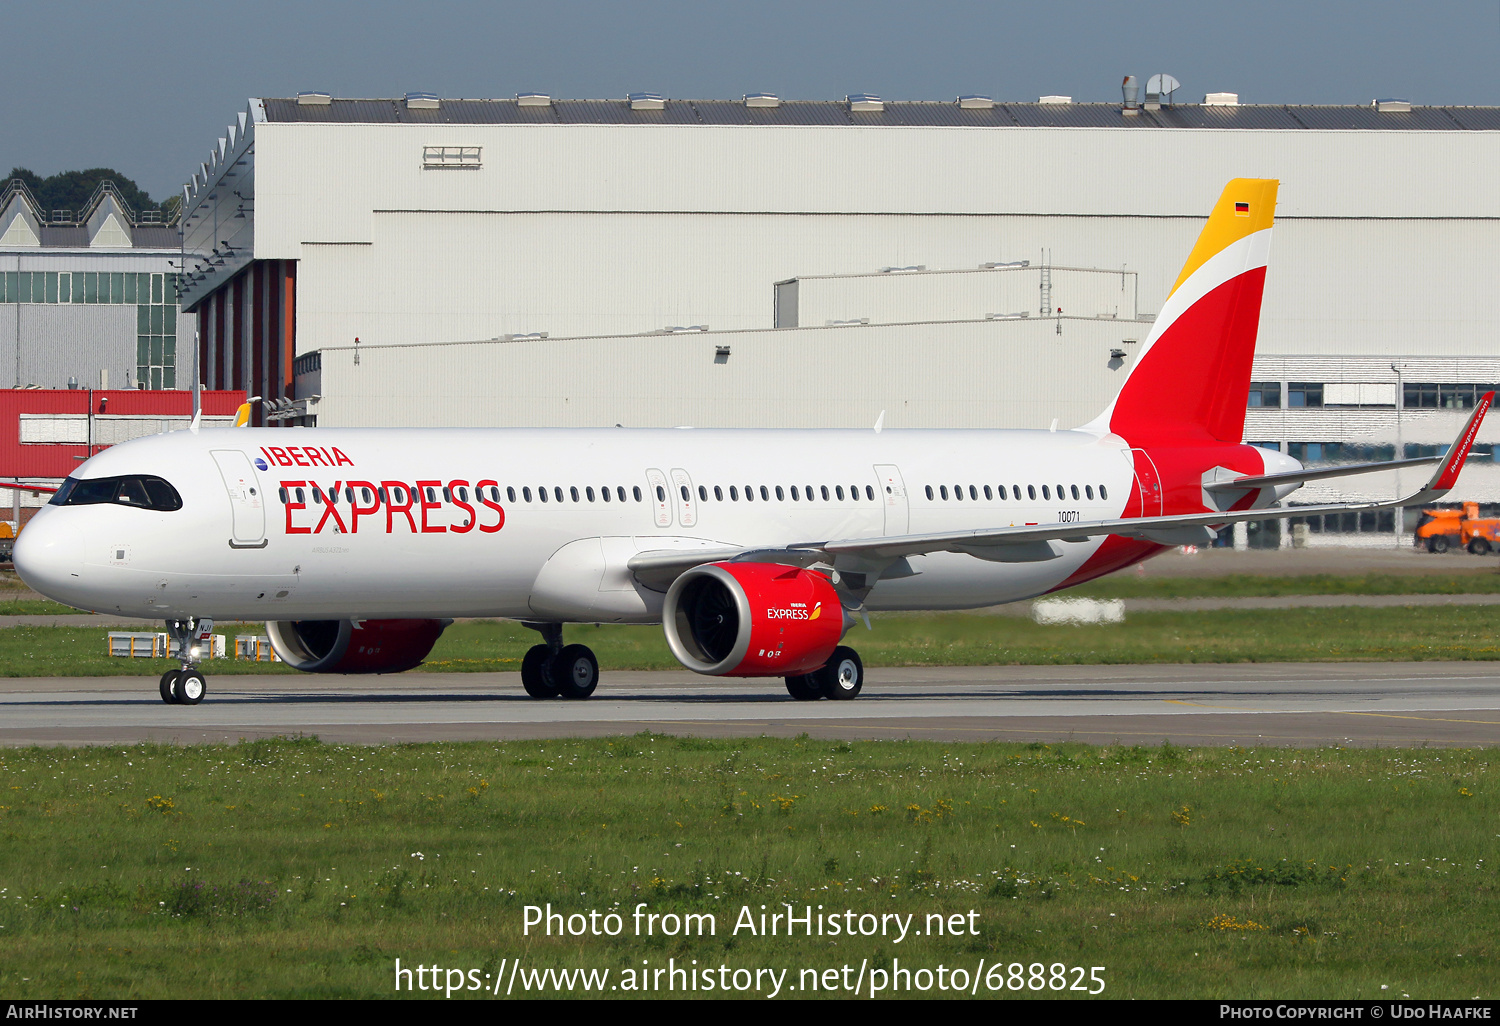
[(651, 261)]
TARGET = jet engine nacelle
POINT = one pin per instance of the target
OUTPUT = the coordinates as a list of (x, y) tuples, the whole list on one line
[(753, 619), (354, 646)]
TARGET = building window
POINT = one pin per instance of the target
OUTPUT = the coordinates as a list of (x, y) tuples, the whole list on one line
[(1265, 393), (442, 157), (1273, 446), (1442, 396), (1304, 393)]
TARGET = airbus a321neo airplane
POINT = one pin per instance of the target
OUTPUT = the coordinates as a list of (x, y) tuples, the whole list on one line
[(755, 549)]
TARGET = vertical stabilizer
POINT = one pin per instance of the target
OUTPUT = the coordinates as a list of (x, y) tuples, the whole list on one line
[(1191, 378)]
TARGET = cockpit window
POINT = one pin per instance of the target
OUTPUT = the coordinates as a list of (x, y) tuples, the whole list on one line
[(137, 490)]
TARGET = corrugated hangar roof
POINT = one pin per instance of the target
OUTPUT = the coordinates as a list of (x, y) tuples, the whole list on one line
[(1262, 117)]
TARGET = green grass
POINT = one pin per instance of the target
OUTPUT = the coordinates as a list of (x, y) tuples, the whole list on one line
[(282, 868), (35, 607), (951, 639), (1475, 581)]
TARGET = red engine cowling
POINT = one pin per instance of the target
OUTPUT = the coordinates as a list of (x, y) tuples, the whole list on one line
[(753, 619), (346, 646)]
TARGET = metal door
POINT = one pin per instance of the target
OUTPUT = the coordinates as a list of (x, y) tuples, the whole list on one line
[(893, 495), (656, 484), (682, 497), (245, 498), (1147, 481)]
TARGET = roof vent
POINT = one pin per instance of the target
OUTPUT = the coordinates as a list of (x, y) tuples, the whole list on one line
[(898, 270), (865, 102), (975, 102), (1393, 106), (997, 265), (647, 101), (533, 100), (1130, 91), (684, 329), (762, 100), (314, 99), (1055, 99), (1221, 100), (421, 101)]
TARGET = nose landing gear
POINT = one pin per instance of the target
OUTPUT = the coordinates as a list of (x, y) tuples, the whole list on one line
[(186, 686), (552, 668)]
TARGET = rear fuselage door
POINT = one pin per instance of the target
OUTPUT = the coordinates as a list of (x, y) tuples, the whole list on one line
[(656, 483), (893, 495), (1147, 480), (246, 498), (682, 496)]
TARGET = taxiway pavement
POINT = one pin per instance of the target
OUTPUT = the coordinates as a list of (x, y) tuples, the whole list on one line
[(1302, 704)]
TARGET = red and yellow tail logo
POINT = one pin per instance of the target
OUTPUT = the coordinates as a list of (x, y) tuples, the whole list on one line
[(1188, 384)]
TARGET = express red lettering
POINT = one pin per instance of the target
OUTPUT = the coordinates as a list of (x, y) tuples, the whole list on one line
[(468, 524), (479, 491), (428, 504), (291, 504), (329, 510), (391, 509), (355, 509)]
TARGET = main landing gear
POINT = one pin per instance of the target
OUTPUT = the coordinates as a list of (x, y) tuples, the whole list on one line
[(186, 686), (841, 677), (553, 669)]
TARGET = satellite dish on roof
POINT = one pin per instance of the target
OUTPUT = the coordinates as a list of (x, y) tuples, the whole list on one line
[(1158, 85)]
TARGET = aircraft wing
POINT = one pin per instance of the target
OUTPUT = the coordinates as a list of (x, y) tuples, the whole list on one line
[(1303, 476), (1033, 542), (1191, 528)]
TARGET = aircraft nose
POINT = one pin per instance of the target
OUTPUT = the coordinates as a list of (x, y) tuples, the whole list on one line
[(49, 555)]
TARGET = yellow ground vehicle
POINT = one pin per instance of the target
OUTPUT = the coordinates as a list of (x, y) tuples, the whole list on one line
[(1443, 529)]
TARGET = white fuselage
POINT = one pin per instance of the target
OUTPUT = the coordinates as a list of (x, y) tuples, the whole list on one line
[(243, 548)]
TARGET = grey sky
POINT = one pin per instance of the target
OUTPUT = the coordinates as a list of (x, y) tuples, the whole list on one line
[(147, 88)]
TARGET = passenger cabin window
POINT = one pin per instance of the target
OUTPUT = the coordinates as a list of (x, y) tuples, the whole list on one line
[(1031, 492), (637, 490), (141, 491), (1001, 490), (1102, 493), (838, 490), (573, 493), (870, 492)]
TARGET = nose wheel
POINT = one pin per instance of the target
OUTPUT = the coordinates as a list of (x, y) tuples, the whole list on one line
[(187, 685)]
